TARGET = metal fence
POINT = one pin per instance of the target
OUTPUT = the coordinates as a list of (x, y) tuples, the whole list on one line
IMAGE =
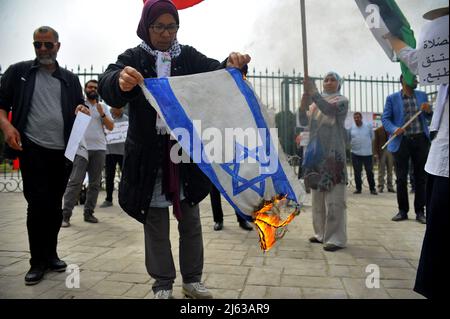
[(283, 91), (279, 91)]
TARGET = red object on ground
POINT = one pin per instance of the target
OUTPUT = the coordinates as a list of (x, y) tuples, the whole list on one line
[(16, 164), (183, 4)]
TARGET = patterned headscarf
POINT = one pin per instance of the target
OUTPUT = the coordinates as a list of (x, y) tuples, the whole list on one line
[(152, 10)]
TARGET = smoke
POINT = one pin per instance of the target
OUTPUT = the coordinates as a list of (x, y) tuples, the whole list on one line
[(338, 38)]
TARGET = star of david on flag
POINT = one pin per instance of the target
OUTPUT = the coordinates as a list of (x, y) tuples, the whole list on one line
[(220, 123)]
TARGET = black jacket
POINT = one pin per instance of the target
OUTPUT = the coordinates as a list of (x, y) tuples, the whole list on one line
[(16, 92), (143, 147)]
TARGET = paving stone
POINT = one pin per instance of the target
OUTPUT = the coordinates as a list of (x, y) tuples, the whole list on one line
[(7, 261), (404, 294), (253, 292), (138, 291), (320, 293), (398, 284), (357, 289), (115, 288), (310, 281), (267, 276), (283, 293), (111, 258), (225, 281), (130, 278)]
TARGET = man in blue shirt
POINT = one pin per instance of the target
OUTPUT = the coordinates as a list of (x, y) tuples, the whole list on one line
[(361, 135)]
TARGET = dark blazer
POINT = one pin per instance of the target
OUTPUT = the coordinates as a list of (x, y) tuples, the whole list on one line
[(143, 147), (16, 92)]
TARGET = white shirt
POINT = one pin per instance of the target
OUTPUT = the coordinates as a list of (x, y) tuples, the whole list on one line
[(94, 138), (437, 162)]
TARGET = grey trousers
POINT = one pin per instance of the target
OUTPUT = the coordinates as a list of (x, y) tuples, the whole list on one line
[(94, 169), (158, 253), (386, 163), (329, 212)]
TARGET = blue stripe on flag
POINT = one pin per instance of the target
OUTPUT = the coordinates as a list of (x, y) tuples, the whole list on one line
[(280, 180), (175, 117)]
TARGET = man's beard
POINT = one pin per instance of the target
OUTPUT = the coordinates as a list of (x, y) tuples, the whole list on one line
[(48, 59), (92, 95)]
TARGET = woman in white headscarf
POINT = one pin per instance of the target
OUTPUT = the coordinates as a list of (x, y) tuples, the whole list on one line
[(325, 160)]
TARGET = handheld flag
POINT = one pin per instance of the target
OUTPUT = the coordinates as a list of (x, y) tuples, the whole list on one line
[(221, 125), (382, 17)]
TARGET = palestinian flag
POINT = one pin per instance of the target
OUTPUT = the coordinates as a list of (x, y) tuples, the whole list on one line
[(382, 17)]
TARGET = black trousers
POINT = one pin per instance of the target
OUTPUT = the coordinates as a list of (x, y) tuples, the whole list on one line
[(300, 155), (111, 162), (415, 147), (358, 162), (45, 173), (432, 273), (216, 206)]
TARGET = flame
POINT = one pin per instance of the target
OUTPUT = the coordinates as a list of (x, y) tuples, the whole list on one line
[(269, 224)]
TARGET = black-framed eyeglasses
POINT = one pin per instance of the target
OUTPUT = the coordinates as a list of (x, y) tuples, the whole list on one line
[(160, 28), (48, 45)]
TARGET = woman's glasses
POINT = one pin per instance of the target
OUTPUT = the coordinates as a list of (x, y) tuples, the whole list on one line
[(160, 28), (48, 45)]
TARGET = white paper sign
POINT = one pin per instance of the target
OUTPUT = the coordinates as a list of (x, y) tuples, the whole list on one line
[(433, 55), (118, 134), (79, 128)]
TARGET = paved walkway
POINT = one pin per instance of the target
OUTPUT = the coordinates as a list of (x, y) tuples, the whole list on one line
[(110, 256)]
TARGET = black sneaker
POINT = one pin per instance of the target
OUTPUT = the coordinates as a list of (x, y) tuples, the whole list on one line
[(331, 247), (106, 203), (373, 192), (90, 219), (400, 216), (357, 192), (245, 225), (421, 218), (314, 240), (57, 265), (34, 275)]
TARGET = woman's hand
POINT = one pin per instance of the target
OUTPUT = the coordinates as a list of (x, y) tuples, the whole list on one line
[(309, 86), (238, 60), (129, 77)]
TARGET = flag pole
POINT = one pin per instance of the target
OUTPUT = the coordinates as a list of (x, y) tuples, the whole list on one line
[(403, 127), (304, 40)]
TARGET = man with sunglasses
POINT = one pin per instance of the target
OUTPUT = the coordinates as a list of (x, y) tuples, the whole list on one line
[(42, 98)]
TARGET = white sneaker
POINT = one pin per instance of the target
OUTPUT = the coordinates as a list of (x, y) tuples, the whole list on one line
[(163, 294), (196, 290)]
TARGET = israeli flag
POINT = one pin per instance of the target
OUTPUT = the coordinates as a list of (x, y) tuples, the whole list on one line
[(220, 123)]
